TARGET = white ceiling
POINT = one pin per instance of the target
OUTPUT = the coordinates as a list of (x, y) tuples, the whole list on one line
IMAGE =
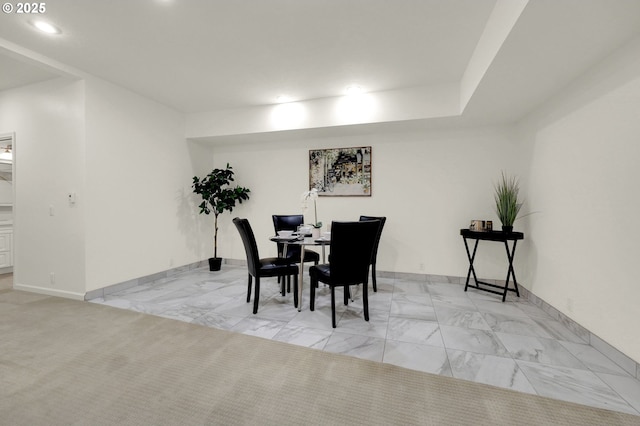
[(203, 55)]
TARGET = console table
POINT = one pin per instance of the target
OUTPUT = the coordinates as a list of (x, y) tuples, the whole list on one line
[(498, 236)]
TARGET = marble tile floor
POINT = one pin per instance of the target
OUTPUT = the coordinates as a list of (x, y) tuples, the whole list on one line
[(434, 327)]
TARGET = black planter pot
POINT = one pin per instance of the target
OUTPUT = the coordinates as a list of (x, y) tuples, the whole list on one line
[(215, 263), (507, 228)]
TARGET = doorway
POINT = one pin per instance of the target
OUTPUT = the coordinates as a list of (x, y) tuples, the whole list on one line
[(7, 196)]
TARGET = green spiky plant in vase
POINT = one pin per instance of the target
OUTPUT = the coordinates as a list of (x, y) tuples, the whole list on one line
[(507, 204)]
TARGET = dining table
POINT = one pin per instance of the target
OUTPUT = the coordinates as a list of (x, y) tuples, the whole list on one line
[(302, 241)]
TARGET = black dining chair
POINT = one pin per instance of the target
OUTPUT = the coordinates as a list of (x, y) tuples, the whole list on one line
[(382, 220), (266, 267), (291, 223), (352, 245)]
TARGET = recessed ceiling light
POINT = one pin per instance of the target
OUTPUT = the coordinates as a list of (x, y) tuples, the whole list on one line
[(46, 27)]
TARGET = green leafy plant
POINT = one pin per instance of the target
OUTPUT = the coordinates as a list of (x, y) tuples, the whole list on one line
[(218, 196), (506, 196)]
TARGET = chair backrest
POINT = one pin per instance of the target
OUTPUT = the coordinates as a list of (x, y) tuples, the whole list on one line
[(250, 246), (287, 223), (352, 245), (382, 220)]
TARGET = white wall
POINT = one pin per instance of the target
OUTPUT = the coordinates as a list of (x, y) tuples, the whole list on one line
[(137, 216), (48, 121), (141, 217), (429, 185), (584, 181)]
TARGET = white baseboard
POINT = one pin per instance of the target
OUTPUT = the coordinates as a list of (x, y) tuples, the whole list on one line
[(49, 291)]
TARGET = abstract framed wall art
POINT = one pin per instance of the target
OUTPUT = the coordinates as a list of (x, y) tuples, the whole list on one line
[(341, 171)]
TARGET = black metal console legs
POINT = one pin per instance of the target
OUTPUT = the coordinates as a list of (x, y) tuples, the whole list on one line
[(497, 236)]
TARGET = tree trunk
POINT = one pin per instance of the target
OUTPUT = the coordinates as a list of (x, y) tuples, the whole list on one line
[(215, 236)]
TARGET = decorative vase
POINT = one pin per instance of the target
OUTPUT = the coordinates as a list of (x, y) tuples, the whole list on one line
[(315, 232), (215, 263), (506, 228)]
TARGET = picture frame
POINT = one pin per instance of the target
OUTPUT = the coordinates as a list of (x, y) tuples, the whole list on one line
[(341, 172)]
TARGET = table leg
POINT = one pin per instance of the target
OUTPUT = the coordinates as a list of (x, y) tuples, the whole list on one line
[(471, 258), (301, 277), (284, 256), (510, 271)]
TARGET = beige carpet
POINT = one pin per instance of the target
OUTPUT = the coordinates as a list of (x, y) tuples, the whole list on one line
[(65, 362)]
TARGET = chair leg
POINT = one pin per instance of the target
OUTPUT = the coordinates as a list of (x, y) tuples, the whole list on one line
[(333, 306), (373, 276), (249, 289), (256, 297), (295, 290), (365, 300), (312, 293), (317, 282), (282, 284), (288, 283), (346, 295)]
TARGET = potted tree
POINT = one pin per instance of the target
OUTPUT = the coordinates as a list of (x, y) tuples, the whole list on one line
[(507, 204), (217, 196)]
